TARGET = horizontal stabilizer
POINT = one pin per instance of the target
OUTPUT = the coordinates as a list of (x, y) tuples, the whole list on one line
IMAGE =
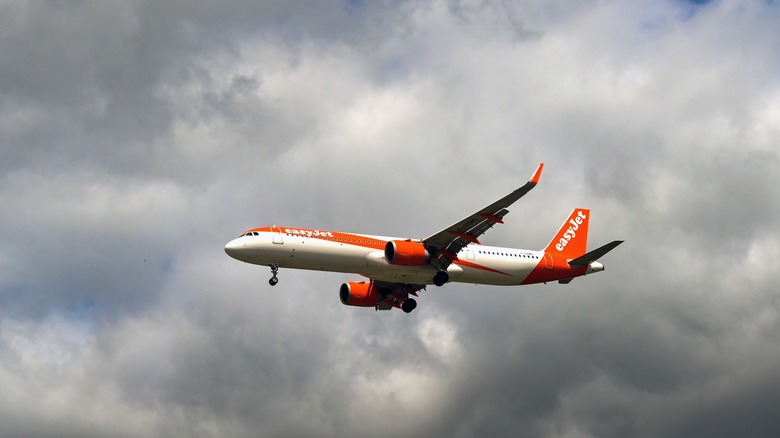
[(594, 255)]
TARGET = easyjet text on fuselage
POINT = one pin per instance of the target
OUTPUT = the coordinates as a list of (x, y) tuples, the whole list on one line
[(308, 233)]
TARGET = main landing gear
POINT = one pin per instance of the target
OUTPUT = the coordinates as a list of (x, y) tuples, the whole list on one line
[(274, 279), (440, 278), (408, 305)]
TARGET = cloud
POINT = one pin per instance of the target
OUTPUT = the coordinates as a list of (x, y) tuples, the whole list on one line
[(139, 137)]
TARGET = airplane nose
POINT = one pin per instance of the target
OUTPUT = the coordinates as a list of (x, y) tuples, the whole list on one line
[(233, 248)]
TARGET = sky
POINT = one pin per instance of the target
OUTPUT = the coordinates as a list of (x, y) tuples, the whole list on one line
[(138, 137)]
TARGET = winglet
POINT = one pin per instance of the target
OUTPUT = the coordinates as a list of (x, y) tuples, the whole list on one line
[(537, 174)]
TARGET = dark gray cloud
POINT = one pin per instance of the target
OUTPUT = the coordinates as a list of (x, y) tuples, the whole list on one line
[(139, 137)]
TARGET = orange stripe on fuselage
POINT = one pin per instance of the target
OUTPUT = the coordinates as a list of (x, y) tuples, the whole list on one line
[(372, 242), (462, 262)]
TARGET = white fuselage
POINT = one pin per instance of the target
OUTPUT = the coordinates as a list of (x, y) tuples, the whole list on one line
[(364, 255)]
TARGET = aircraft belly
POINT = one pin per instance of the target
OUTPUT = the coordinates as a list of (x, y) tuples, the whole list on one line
[(378, 268), (310, 254), (327, 256)]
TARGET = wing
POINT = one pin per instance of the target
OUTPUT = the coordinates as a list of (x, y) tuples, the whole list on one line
[(445, 245)]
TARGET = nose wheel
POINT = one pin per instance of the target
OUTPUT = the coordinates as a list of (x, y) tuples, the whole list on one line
[(274, 279)]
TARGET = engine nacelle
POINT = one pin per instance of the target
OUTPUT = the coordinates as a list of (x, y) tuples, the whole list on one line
[(406, 253), (359, 294)]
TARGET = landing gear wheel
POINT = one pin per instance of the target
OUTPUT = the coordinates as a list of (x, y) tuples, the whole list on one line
[(440, 278), (409, 305), (274, 279)]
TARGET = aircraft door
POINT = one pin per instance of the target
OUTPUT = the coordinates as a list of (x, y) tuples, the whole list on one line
[(548, 260), (276, 235)]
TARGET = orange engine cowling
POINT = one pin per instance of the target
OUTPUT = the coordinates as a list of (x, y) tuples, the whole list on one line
[(406, 253), (360, 294)]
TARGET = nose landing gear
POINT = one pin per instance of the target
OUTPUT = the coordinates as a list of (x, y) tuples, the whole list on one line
[(274, 279)]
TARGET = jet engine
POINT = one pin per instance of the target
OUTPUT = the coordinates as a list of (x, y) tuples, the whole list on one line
[(359, 294), (406, 253)]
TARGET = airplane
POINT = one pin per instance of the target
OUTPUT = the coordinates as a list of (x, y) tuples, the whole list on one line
[(398, 268)]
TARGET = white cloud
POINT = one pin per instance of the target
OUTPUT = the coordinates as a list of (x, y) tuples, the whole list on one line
[(440, 337)]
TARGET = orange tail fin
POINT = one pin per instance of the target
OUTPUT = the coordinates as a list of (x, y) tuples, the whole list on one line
[(571, 241)]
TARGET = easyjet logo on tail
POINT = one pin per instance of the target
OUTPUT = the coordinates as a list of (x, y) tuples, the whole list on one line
[(571, 232)]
